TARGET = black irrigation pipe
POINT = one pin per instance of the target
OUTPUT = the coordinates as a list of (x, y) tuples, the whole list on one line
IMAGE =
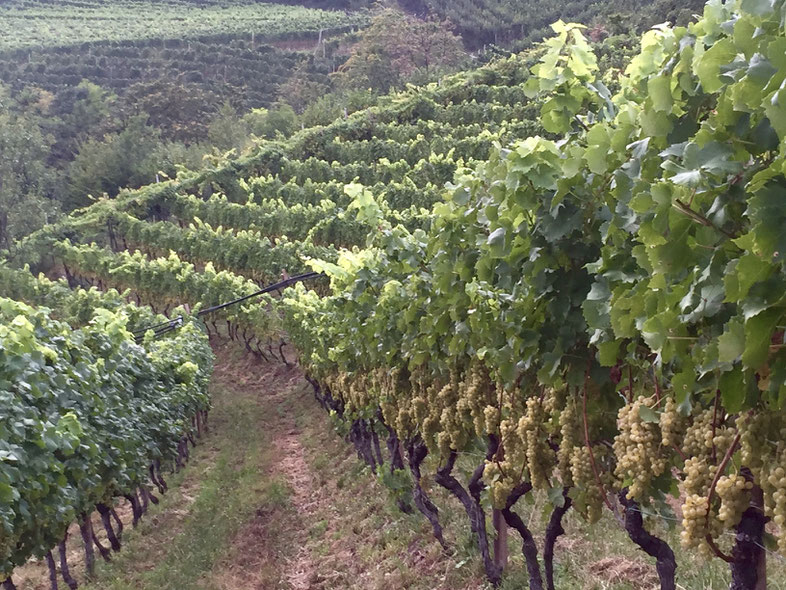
[(175, 323), (275, 287), (167, 323)]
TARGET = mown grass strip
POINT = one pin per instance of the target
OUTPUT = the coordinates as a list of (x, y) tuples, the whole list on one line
[(181, 541)]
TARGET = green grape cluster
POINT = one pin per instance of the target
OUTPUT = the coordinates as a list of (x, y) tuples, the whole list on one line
[(735, 496), (444, 443), (672, 425), (358, 392), (555, 400), (393, 393), (698, 435), (510, 464), (638, 449), (515, 447), (695, 522), (698, 475), (755, 429), (531, 430), (500, 487), (589, 503), (478, 393), (491, 415), (699, 518), (569, 438), (774, 488), (431, 424), (404, 423), (733, 491), (723, 439), (706, 434), (454, 433), (420, 409)]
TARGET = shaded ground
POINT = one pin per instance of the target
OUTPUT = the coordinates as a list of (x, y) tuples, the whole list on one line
[(274, 499)]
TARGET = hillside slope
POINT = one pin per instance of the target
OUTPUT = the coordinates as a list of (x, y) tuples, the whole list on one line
[(540, 283)]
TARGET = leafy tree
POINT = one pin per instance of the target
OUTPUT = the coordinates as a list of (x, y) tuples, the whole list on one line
[(26, 181), (280, 119), (332, 106), (88, 110), (398, 48), (226, 131), (181, 111), (119, 160), (302, 89), (93, 107)]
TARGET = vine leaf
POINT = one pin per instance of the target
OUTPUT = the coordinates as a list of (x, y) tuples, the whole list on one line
[(732, 388), (758, 331), (731, 344)]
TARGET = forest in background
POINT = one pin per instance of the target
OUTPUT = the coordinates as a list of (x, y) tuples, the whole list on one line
[(85, 116)]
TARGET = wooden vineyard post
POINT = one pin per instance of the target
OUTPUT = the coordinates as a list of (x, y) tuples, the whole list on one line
[(501, 541)]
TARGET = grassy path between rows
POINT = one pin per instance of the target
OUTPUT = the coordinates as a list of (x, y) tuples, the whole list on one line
[(205, 523)]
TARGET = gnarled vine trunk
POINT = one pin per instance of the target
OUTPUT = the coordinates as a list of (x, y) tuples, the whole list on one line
[(64, 570), (87, 540), (477, 518), (528, 546), (748, 571), (360, 437), (50, 563), (653, 546), (104, 511), (553, 531), (416, 453), (396, 460)]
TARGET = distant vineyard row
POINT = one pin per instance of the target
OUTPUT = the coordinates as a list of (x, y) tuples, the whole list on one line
[(237, 69), (44, 24)]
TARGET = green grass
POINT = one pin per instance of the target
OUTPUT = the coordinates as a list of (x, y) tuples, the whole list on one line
[(165, 554)]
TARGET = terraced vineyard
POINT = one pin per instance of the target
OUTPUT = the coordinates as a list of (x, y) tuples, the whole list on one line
[(220, 50), (228, 68), (509, 22), (538, 288), (74, 23)]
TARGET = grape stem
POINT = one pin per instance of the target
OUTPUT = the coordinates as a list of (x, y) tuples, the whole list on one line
[(700, 219), (714, 422), (657, 385), (711, 493), (716, 550), (692, 195), (679, 452), (589, 446)]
